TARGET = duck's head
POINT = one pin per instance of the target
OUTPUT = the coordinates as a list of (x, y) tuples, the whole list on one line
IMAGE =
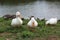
[(18, 14), (32, 17)]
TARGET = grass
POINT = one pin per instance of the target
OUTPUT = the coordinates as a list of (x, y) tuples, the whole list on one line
[(15, 2), (41, 32)]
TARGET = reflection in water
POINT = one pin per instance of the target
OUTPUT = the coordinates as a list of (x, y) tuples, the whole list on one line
[(40, 9)]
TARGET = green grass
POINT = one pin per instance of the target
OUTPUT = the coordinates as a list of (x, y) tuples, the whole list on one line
[(25, 33)]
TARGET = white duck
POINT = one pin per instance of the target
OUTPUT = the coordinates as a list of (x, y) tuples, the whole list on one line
[(52, 21), (17, 21), (32, 22)]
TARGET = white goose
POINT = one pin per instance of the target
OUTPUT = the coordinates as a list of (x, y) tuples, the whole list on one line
[(52, 21), (32, 22), (17, 21)]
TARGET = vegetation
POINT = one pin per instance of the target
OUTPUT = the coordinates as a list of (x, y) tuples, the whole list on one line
[(52, 0), (25, 33), (16, 2)]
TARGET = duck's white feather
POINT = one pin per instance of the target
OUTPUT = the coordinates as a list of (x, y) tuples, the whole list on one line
[(16, 22), (31, 22), (52, 21)]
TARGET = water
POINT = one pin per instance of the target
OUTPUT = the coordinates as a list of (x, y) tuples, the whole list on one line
[(40, 9)]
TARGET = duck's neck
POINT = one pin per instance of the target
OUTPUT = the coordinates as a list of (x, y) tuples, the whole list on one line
[(32, 18), (17, 15)]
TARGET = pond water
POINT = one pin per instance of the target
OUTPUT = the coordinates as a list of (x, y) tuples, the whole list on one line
[(40, 9)]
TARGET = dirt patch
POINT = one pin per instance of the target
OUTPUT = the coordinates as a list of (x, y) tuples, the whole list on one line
[(53, 37)]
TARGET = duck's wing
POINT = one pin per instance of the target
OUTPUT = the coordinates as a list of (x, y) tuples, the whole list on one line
[(20, 21), (13, 22), (29, 23), (36, 23)]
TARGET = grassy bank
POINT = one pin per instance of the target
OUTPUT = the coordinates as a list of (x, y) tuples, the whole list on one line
[(15, 2), (41, 32)]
